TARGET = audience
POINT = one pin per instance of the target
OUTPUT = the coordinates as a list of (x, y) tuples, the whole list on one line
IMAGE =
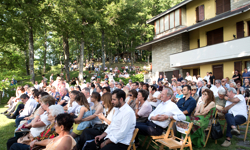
[(142, 108)]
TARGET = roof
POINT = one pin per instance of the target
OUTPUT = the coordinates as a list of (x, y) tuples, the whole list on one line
[(151, 21), (147, 46)]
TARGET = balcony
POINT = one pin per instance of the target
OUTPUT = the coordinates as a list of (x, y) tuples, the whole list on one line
[(237, 48)]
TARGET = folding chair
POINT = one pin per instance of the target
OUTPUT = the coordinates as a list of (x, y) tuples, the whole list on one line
[(210, 128), (172, 143), (246, 123), (132, 144)]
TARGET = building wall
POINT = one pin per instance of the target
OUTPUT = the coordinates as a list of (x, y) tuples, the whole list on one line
[(238, 3), (229, 29), (209, 10), (162, 50)]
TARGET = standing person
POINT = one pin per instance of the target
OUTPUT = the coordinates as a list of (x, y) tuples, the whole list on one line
[(245, 75), (117, 136), (237, 77), (173, 78), (207, 77), (160, 78), (211, 78), (180, 78), (188, 77), (51, 77)]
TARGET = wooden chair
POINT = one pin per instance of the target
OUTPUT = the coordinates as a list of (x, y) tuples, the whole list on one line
[(171, 142), (210, 128), (132, 143), (247, 123)]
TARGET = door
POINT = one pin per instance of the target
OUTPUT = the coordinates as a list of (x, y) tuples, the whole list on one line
[(195, 72), (176, 73), (238, 66), (218, 71), (248, 26), (240, 29), (169, 75), (184, 72)]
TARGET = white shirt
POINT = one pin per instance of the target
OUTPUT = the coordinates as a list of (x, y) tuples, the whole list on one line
[(189, 78), (207, 78), (74, 106), (215, 90), (37, 86), (240, 108), (122, 126), (36, 131), (110, 115), (170, 109), (29, 108), (155, 95)]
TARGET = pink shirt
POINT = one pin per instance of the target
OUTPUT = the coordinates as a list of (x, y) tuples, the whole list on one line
[(145, 109)]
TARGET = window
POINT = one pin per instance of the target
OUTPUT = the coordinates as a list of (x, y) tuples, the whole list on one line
[(240, 29), (222, 6), (161, 24), (200, 13), (172, 20), (215, 36), (157, 27), (177, 17), (166, 22)]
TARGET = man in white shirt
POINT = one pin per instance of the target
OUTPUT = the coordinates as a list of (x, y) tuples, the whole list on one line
[(119, 133), (65, 97), (216, 88), (235, 114), (188, 77), (160, 118), (207, 77), (86, 92), (152, 97), (36, 85), (29, 107)]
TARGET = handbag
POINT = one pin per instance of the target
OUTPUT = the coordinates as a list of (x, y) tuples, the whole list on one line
[(142, 119), (216, 131), (101, 127), (19, 134)]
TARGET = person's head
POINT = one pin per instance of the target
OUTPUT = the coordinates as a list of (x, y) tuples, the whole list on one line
[(179, 89), (54, 110), (99, 89), (153, 89), (53, 89), (95, 97), (187, 73), (118, 98), (106, 101), (193, 90), (145, 87), (210, 73), (142, 95), (174, 83), (78, 88), (200, 84), (232, 85), (205, 82), (221, 93), (135, 85), (82, 100), (35, 93), (193, 83), (42, 94), (92, 85), (47, 101), (52, 74), (236, 72), (133, 93), (246, 81), (209, 85), (106, 90), (36, 82), (209, 96), (24, 98), (160, 76), (245, 69), (203, 88), (130, 82), (63, 123), (73, 94), (217, 83), (231, 92), (186, 90), (207, 73), (86, 92), (141, 85), (183, 82), (119, 85), (64, 91), (166, 94), (223, 81)]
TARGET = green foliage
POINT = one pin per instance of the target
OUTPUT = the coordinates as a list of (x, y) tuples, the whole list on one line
[(135, 78)]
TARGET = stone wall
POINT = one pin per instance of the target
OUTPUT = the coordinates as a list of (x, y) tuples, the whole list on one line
[(238, 3)]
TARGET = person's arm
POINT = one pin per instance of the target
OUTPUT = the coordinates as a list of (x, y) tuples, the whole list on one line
[(43, 142), (225, 110), (65, 144), (99, 110), (190, 108), (79, 117), (101, 116), (137, 108), (61, 102), (233, 100)]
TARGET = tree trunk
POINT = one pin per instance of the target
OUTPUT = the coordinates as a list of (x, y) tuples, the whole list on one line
[(27, 62), (103, 55), (132, 57), (81, 59), (45, 50), (66, 56), (31, 54)]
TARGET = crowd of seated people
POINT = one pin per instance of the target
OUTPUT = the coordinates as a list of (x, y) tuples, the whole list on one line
[(103, 115)]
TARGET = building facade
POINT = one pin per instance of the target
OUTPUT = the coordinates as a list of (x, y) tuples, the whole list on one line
[(200, 36)]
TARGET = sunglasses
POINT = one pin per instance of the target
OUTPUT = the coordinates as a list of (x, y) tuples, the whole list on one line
[(193, 90), (130, 95)]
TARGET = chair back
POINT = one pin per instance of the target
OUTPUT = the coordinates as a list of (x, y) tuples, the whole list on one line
[(132, 140)]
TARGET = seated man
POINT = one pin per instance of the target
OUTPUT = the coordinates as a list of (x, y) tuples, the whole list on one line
[(29, 107), (160, 117), (220, 102), (153, 96), (117, 136), (186, 104), (216, 88), (65, 97), (235, 114)]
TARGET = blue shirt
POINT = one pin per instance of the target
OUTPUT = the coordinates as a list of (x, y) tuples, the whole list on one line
[(180, 79), (188, 105), (179, 96), (245, 74)]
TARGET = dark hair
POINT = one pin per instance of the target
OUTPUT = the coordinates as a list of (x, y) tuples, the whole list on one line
[(136, 83), (205, 80), (96, 95), (106, 88), (35, 93), (66, 120), (78, 87), (43, 94), (24, 96), (188, 87), (153, 88), (80, 97), (99, 87), (75, 92), (22, 89), (119, 94), (134, 93), (144, 94), (93, 85), (146, 86)]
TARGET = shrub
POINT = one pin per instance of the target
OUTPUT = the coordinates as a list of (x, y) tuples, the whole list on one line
[(135, 78)]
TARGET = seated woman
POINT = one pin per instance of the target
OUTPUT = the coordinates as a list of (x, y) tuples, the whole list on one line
[(179, 94), (143, 108), (193, 92), (132, 98), (55, 94), (201, 118), (63, 141), (90, 133), (81, 112), (48, 133)]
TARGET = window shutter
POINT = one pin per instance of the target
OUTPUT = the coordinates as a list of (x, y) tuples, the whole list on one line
[(227, 5), (218, 36), (219, 6), (201, 13), (240, 29), (210, 38), (197, 14)]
